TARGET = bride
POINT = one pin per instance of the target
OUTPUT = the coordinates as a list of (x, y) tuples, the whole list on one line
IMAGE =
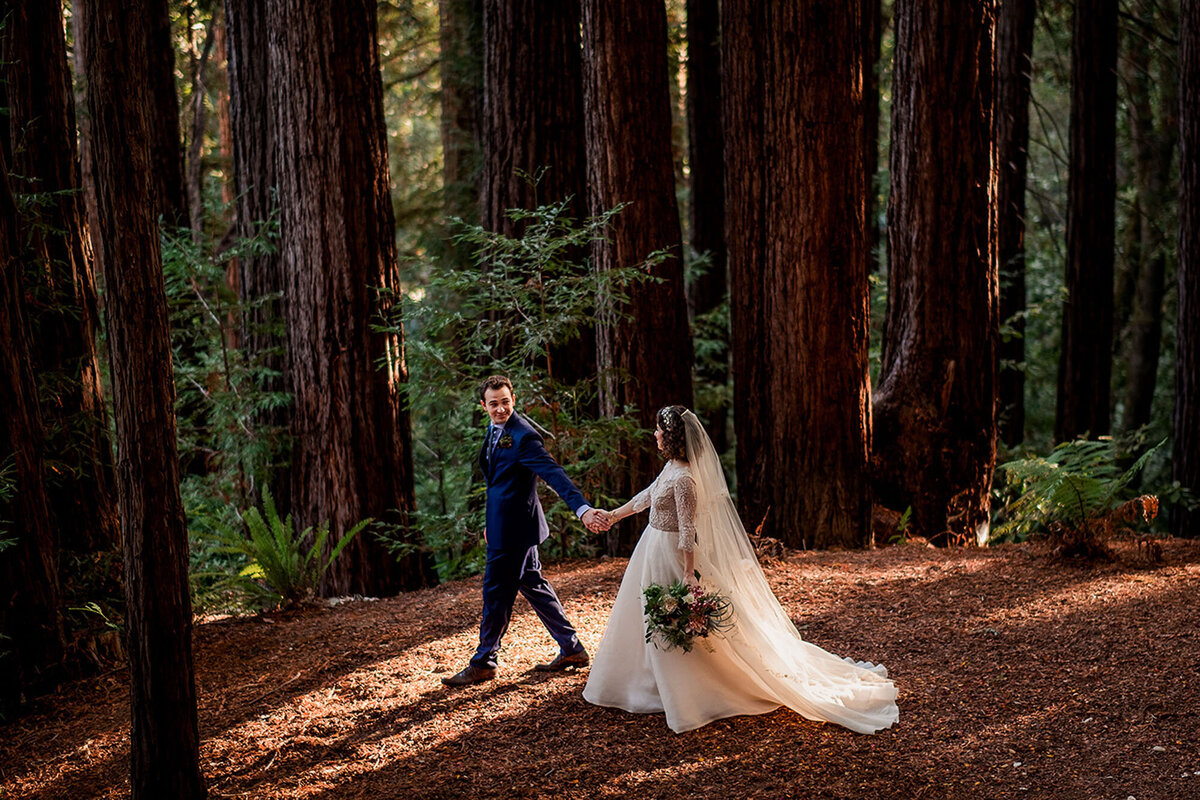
[(758, 665)]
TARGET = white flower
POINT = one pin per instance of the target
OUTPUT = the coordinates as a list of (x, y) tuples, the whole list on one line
[(688, 599)]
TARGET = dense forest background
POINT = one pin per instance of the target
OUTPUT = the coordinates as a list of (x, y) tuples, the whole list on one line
[(920, 274)]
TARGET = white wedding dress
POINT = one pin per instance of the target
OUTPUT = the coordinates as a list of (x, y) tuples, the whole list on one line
[(755, 667)]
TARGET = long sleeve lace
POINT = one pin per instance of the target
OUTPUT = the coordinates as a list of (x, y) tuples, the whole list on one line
[(685, 507), (641, 500)]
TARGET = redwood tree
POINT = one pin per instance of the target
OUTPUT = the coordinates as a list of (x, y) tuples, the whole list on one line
[(794, 149), (1014, 47), (460, 33), (260, 273), (166, 143), (61, 289), (1186, 459), (532, 108), (706, 159), (935, 425), (872, 38), (1154, 128), (533, 125), (648, 356), (164, 740), (1085, 360), (30, 606), (351, 456)]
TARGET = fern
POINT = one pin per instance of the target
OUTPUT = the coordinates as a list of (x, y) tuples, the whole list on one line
[(1079, 482), (281, 568)]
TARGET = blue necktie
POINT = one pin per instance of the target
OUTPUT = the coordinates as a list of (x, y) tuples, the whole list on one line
[(494, 438)]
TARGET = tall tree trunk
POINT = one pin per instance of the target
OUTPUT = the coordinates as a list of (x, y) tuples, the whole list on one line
[(224, 119), (61, 285), (260, 273), (935, 421), (533, 121), (87, 176), (1014, 48), (229, 183), (532, 108), (352, 455), (646, 358), (164, 741), (872, 38), (794, 145), (1154, 143), (1186, 454), (706, 156), (1085, 361), (166, 144), (195, 149), (30, 603), (461, 41)]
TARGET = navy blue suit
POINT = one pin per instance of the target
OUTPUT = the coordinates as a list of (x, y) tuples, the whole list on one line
[(516, 525)]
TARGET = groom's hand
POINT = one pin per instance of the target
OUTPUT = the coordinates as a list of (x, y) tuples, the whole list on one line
[(596, 520)]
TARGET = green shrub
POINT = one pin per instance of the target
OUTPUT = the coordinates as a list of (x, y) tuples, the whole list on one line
[(281, 568), (1078, 494), (505, 311)]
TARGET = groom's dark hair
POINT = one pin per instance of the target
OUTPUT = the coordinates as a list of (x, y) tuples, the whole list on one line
[(494, 382)]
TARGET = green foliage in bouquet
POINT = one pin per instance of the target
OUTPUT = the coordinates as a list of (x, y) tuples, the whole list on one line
[(1079, 493), (677, 614), (507, 308), (281, 568)]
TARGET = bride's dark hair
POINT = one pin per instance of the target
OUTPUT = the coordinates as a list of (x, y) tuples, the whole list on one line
[(674, 444)]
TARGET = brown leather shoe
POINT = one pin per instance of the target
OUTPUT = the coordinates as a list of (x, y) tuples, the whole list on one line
[(472, 674), (573, 661)]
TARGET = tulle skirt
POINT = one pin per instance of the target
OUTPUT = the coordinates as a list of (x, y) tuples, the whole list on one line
[(750, 669)]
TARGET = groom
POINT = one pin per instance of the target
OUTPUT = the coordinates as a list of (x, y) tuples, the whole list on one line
[(512, 458)]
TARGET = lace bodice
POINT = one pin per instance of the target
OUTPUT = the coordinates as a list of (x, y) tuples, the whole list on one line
[(672, 503)]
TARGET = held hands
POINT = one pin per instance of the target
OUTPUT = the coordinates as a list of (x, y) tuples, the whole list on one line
[(598, 521)]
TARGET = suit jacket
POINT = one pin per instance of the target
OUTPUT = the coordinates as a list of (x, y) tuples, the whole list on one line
[(515, 519)]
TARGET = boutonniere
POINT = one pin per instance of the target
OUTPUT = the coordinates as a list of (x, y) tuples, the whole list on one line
[(505, 441)]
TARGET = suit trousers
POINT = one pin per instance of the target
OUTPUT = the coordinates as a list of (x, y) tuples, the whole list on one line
[(508, 572)]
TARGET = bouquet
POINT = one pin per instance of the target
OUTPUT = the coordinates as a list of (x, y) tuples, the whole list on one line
[(677, 614)]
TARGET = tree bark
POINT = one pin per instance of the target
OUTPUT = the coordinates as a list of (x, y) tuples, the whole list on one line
[(706, 157), (532, 108), (935, 426), (352, 455), (225, 121), (794, 147), (1085, 360), (260, 273), (1154, 141), (30, 602), (195, 148), (233, 279), (646, 359), (533, 121), (461, 42), (86, 167), (1185, 465), (164, 740), (166, 143), (61, 287), (1014, 48), (872, 37)]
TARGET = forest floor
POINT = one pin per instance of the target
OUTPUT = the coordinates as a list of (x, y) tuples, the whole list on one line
[(1019, 677)]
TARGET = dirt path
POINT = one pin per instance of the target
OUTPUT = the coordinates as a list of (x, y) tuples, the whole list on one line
[(1018, 679)]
